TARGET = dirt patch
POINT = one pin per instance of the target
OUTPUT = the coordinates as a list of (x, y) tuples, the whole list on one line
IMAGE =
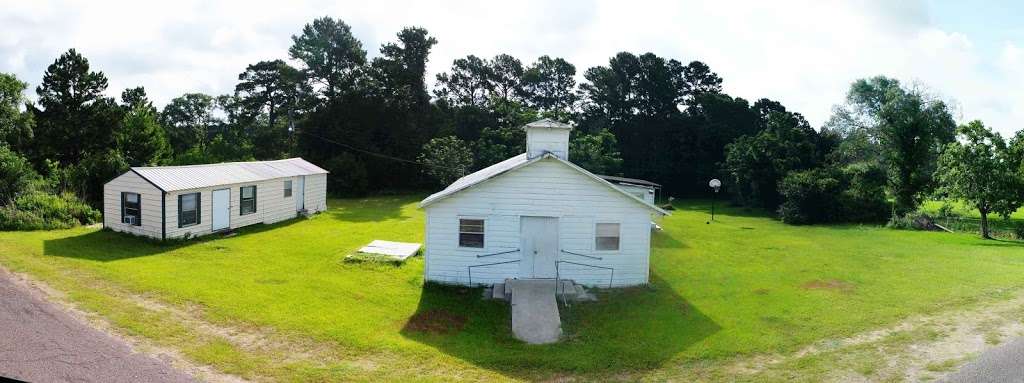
[(436, 321), (830, 284)]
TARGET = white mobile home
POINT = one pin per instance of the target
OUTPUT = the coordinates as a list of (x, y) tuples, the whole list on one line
[(174, 201), (538, 216)]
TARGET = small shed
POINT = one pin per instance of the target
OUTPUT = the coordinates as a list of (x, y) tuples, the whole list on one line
[(174, 201), (646, 190), (538, 216)]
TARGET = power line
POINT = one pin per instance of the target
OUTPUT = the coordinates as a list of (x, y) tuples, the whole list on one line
[(379, 155)]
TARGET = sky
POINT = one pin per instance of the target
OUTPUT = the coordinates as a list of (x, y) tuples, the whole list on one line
[(803, 54)]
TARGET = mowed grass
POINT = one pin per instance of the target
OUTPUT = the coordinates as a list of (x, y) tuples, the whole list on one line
[(742, 285)]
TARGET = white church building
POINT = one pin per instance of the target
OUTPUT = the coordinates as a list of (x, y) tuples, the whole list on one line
[(538, 216)]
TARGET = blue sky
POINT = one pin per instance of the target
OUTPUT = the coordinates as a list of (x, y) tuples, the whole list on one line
[(801, 53)]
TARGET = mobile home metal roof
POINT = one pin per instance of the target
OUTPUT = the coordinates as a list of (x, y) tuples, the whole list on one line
[(171, 178)]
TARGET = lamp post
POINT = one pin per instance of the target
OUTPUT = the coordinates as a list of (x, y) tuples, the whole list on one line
[(714, 184)]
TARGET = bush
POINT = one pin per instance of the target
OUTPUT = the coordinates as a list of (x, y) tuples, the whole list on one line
[(16, 175), (827, 194), (810, 196), (43, 211), (1018, 231)]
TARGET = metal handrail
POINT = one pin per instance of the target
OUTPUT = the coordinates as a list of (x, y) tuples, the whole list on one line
[(582, 255), (491, 255), (558, 277), (469, 269)]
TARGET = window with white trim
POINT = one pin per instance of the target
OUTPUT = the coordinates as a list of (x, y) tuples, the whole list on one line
[(471, 233), (606, 236), (131, 209), (188, 209), (287, 189)]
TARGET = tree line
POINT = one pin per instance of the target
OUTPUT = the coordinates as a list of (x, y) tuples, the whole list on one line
[(375, 125)]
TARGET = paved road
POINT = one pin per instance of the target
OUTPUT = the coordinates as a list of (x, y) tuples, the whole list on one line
[(1003, 364), (39, 342)]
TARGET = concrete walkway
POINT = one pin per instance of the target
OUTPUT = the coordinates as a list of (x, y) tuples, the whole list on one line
[(534, 311), (39, 342), (1003, 364)]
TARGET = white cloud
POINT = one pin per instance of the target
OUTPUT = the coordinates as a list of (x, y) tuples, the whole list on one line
[(804, 54)]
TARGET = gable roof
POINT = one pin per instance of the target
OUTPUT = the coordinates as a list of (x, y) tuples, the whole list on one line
[(515, 163), (172, 178)]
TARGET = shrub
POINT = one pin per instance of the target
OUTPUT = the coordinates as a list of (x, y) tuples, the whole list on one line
[(827, 194), (38, 210), (810, 196), (1018, 231), (16, 175)]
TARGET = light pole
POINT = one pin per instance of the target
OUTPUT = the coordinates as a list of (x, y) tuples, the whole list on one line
[(714, 184)]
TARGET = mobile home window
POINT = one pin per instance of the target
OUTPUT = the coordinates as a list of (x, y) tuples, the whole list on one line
[(248, 198), (606, 236), (131, 209), (188, 209), (287, 188), (471, 233)]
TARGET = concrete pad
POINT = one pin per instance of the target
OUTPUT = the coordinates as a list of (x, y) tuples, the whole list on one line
[(535, 317), (398, 251)]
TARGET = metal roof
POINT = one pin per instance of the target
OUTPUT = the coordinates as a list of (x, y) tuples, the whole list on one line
[(171, 178), (516, 163), (548, 123), (624, 180)]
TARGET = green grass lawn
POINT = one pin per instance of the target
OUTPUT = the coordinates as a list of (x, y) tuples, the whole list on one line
[(742, 285), (969, 220)]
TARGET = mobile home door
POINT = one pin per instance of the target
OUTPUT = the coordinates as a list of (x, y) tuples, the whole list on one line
[(300, 193), (221, 209)]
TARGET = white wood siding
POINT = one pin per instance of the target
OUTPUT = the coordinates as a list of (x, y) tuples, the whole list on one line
[(545, 188), (149, 195), (316, 193), (271, 204)]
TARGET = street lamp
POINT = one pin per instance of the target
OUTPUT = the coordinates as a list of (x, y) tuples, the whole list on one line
[(714, 184)]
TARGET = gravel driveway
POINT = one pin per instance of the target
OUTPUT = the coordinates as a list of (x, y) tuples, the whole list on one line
[(40, 342)]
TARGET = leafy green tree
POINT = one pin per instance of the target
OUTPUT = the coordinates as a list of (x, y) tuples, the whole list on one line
[(136, 97), (904, 129), (979, 170), (76, 119), (698, 79), (506, 77), (271, 96), (15, 124), (467, 83), (756, 163), (188, 120), (913, 131), (331, 54), (445, 159), (141, 140), (404, 64), (95, 169), (598, 153), (550, 87), (498, 144), (271, 88), (16, 175)]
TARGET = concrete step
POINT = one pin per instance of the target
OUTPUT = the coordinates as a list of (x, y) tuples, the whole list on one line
[(535, 317), (498, 292)]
